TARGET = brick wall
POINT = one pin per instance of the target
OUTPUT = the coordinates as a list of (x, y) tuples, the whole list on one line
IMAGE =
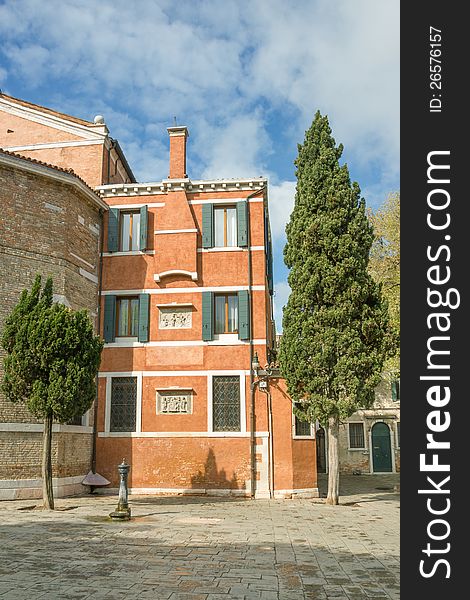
[(51, 228)]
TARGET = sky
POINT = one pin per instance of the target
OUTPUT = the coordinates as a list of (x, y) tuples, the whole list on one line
[(245, 76)]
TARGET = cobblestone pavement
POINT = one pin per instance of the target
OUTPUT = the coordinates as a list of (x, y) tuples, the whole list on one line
[(196, 548)]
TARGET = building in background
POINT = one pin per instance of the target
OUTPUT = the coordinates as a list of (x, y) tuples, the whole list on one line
[(186, 304), (369, 442)]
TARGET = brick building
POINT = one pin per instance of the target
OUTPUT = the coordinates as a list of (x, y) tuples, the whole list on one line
[(186, 304), (49, 224)]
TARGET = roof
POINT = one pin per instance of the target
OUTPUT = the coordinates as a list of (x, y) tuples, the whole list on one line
[(46, 110), (69, 172)]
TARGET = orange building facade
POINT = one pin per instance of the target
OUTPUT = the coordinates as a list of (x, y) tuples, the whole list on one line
[(186, 289)]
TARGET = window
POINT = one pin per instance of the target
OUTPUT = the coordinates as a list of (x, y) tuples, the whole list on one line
[(127, 229), (127, 317), (226, 313), (356, 435), (398, 434), (396, 390), (123, 403), (302, 428), (225, 226), (226, 403), (129, 233), (77, 420)]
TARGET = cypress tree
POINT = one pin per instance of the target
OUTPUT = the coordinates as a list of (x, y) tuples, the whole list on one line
[(336, 332), (51, 364)]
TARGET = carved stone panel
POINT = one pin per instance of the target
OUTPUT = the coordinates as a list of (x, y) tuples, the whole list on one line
[(175, 318), (174, 402)]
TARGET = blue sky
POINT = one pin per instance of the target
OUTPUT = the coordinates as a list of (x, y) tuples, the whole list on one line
[(245, 76)]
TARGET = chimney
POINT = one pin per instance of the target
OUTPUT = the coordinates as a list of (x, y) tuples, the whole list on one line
[(178, 135)]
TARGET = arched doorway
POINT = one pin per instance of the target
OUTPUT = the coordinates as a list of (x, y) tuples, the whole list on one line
[(321, 450), (381, 448)]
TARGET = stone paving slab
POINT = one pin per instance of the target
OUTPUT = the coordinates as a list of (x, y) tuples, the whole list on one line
[(199, 548)]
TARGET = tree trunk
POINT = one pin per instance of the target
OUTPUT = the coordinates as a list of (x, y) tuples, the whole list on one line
[(333, 461), (47, 492)]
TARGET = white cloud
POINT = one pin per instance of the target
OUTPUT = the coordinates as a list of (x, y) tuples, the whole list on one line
[(281, 203), (238, 148), (223, 69), (282, 291), (212, 64)]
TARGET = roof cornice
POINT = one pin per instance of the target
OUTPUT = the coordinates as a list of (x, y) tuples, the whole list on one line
[(31, 166), (175, 185), (88, 132)]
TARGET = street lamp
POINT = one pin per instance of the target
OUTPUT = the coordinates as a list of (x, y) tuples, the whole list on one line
[(255, 363), (261, 380)]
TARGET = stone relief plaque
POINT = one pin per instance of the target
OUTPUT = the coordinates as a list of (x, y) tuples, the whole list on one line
[(174, 402), (175, 318)]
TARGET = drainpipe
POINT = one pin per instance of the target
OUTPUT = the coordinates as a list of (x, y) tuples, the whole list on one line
[(253, 383), (98, 325), (270, 447)]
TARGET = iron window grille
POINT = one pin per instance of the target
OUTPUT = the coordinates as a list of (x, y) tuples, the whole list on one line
[(356, 435), (302, 428), (226, 404), (123, 404)]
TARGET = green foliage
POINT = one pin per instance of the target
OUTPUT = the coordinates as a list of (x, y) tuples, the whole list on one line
[(52, 356), (384, 265), (336, 332)]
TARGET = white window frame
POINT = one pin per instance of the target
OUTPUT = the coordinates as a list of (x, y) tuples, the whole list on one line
[(121, 214), (363, 435), (224, 208), (138, 408), (302, 437), (210, 382)]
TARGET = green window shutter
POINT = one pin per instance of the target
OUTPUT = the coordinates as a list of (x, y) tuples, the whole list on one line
[(207, 225), (143, 228), (243, 315), (109, 320), (242, 222), (269, 267), (144, 305), (207, 316), (395, 390), (113, 230)]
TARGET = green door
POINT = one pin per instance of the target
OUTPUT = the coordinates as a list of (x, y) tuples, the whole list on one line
[(381, 448)]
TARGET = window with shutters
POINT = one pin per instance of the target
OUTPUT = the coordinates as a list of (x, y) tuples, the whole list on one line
[(225, 226), (356, 436), (226, 313), (398, 434), (226, 403), (123, 404), (127, 316), (129, 231)]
